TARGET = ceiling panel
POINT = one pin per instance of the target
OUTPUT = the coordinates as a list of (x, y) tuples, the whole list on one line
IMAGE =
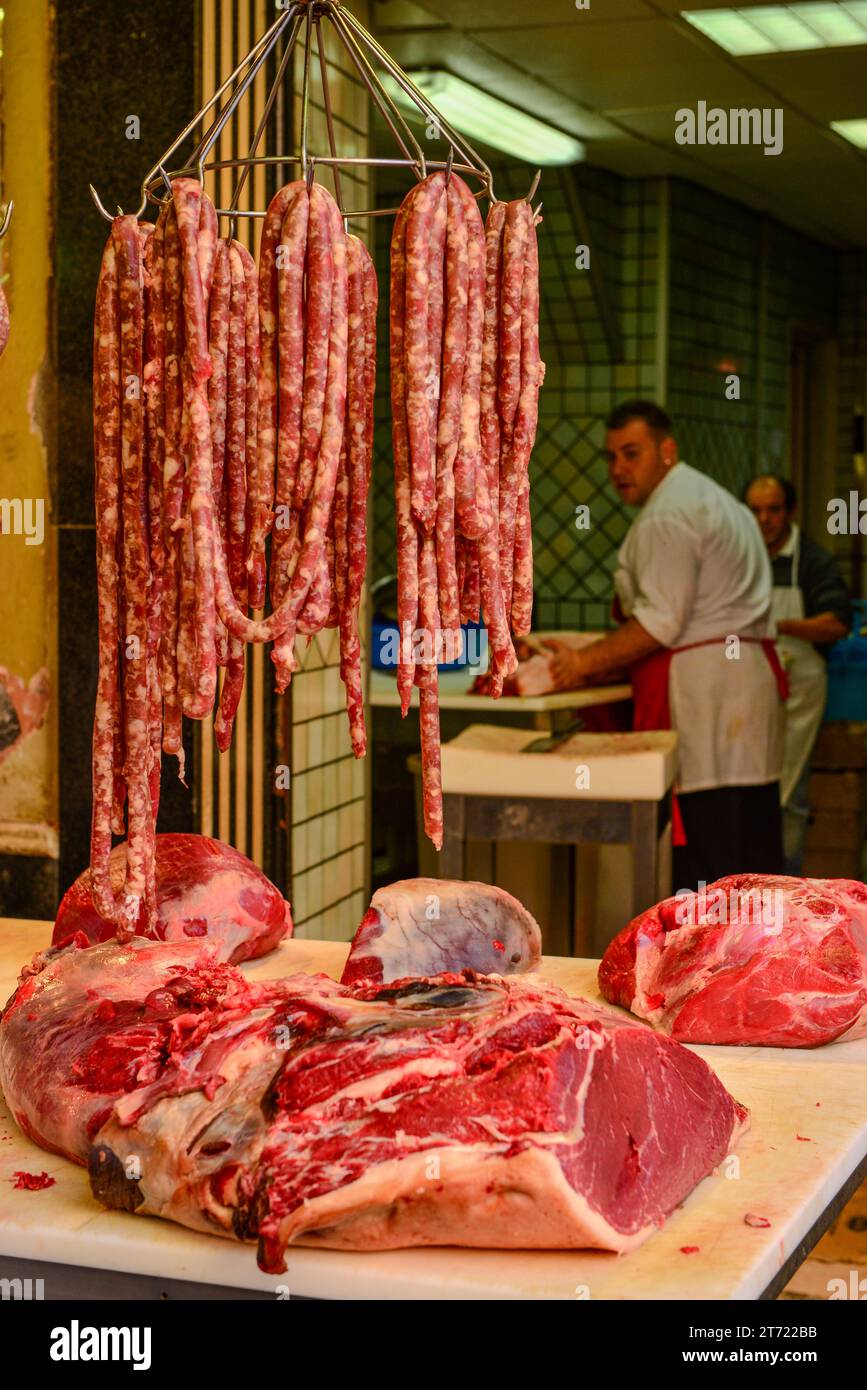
[(615, 75), (489, 71), (487, 14), (611, 67), (403, 14), (829, 85)]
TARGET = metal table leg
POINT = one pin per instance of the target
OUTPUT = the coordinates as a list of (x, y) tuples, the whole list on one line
[(453, 854), (645, 852)]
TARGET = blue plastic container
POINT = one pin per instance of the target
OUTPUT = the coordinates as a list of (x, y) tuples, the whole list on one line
[(474, 648), (847, 672)]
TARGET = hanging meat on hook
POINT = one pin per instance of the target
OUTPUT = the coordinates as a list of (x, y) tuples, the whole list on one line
[(465, 378), (225, 398)]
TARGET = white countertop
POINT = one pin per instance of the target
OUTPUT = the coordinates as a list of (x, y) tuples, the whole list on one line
[(454, 691), (818, 1095)]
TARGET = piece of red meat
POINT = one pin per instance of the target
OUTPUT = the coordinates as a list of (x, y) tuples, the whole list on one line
[(425, 926), (87, 1024), (204, 887), (456, 1110), (759, 960), (460, 1109)]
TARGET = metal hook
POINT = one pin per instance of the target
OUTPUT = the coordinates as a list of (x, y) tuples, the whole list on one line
[(109, 217), (449, 163), (533, 186), (7, 218), (99, 207), (311, 170), (166, 180)]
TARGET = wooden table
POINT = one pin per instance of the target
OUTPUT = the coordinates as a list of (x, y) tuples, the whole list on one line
[(799, 1184)]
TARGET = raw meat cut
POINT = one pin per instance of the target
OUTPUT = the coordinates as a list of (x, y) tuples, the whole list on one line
[(203, 888), (425, 926), (87, 1025), (452, 1110), (456, 1110), (756, 959)]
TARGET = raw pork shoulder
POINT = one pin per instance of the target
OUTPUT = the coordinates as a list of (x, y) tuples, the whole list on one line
[(425, 926), (756, 959), (204, 888), (449, 1111)]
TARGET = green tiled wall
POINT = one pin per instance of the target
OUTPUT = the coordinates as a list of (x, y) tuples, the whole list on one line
[(738, 282)]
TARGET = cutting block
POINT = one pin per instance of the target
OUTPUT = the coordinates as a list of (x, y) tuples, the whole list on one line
[(488, 760)]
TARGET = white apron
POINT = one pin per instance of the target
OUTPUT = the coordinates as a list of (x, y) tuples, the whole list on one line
[(808, 681)]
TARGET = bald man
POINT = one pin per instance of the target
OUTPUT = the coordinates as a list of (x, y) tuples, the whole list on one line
[(812, 610)]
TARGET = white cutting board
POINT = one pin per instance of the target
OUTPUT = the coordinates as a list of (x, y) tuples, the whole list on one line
[(787, 1180), (488, 760)]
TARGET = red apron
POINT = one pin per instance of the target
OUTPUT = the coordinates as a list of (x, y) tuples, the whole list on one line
[(650, 706)]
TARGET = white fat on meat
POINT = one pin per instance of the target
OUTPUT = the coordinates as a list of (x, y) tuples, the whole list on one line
[(428, 926)]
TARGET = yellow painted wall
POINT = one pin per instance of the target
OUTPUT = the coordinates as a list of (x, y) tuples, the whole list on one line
[(28, 784)]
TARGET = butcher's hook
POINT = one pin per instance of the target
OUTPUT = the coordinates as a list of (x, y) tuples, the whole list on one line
[(7, 218), (533, 186), (449, 163), (166, 180), (311, 170), (120, 212), (99, 207)]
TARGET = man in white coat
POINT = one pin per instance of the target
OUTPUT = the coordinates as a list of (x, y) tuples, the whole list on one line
[(693, 589)]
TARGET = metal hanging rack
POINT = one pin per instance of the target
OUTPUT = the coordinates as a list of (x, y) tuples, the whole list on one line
[(305, 23), (7, 218)]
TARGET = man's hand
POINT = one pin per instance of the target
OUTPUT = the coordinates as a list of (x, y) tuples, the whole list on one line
[(823, 629), (600, 660), (565, 665)]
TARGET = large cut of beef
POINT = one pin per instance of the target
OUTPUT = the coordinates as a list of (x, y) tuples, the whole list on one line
[(453, 1110), (203, 888), (427, 926), (753, 959)]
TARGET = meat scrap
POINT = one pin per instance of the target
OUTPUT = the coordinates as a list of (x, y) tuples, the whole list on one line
[(756, 959), (32, 1182)]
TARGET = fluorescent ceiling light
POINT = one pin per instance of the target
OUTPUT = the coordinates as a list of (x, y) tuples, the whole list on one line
[(480, 116), (854, 131), (783, 28)]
